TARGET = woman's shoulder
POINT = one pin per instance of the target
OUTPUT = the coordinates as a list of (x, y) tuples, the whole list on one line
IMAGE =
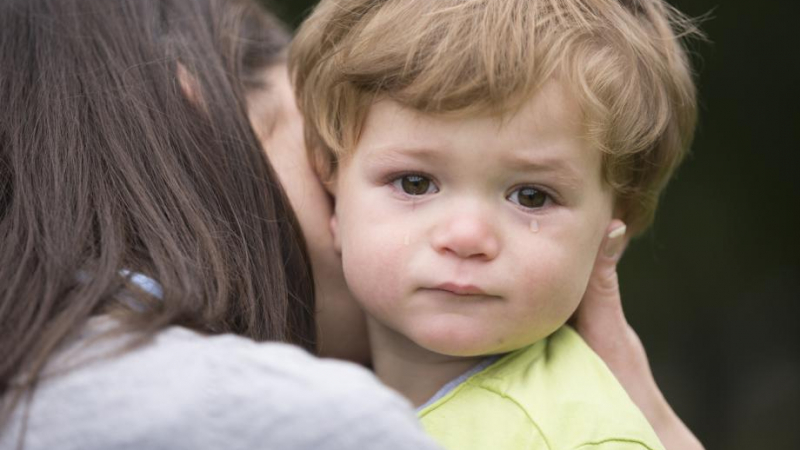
[(186, 390)]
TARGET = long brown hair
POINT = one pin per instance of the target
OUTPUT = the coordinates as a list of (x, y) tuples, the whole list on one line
[(108, 167)]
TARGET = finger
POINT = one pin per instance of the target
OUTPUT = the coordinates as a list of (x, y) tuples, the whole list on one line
[(603, 280), (615, 241), (601, 301)]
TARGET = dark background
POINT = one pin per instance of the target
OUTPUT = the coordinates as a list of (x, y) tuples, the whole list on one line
[(713, 288)]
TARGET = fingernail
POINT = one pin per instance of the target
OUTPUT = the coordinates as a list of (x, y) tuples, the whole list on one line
[(615, 241), (617, 232)]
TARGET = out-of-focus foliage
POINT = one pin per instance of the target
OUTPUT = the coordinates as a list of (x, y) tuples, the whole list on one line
[(714, 288)]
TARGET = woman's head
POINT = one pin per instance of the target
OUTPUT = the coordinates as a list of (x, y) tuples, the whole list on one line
[(125, 146)]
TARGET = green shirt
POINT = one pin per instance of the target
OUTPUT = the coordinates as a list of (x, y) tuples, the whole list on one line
[(555, 394)]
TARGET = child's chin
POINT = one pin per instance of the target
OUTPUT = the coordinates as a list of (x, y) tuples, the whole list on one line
[(461, 344)]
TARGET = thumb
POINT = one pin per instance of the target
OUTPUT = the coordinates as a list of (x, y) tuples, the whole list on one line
[(615, 242), (604, 273), (601, 304)]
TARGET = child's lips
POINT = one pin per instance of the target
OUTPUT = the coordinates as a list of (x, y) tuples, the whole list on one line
[(461, 289)]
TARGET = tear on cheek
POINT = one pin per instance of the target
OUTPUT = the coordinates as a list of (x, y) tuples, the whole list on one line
[(406, 240), (534, 226)]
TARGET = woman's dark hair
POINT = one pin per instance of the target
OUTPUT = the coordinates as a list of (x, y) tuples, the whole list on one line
[(125, 147)]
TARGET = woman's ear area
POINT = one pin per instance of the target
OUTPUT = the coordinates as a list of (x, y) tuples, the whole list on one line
[(189, 85)]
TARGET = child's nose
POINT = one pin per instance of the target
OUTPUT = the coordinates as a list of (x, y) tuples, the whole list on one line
[(468, 236)]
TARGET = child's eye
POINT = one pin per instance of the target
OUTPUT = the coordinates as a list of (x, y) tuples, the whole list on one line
[(415, 185), (528, 197)]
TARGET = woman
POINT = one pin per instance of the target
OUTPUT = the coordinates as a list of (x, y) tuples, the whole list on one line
[(126, 156)]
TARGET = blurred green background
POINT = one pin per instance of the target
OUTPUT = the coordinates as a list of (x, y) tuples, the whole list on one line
[(713, 288)]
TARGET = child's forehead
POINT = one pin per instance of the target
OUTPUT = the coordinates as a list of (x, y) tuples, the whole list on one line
[(551, 113)]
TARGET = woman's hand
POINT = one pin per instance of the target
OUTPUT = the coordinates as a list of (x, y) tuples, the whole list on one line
[(602, 324)]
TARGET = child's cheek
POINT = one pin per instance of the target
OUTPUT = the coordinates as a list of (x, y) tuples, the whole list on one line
[(546, 285), (373, 257)]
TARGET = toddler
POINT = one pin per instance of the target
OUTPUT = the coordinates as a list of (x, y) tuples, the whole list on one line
[(479, 152)]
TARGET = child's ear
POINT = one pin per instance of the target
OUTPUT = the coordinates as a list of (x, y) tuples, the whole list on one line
[(618, 209), (330, 184), (334, 224)]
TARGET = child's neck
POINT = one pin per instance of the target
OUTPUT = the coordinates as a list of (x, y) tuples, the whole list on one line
[(413, 371)]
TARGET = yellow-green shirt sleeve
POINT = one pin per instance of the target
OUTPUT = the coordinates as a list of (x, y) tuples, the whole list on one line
[(553, 395)]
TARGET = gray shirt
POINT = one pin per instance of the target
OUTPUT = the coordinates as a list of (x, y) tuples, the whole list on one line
[(188, 391)]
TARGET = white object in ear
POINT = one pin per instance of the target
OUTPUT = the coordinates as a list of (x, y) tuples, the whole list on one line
[(534, 226)]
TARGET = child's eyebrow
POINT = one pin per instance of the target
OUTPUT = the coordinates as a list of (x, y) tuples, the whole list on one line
[(392, 153), (559, 167)]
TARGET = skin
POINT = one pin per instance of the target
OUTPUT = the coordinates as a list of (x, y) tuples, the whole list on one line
[(340, 321), (452, 272), (599, 317), (601, 322)]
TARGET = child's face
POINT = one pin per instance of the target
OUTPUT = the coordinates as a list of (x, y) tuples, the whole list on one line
[(471, 236)]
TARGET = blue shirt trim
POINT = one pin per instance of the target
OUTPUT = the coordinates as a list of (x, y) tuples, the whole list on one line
[(144, 283), (452, 384)]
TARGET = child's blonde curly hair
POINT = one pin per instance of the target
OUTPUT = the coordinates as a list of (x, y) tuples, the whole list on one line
[(623, 60)]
